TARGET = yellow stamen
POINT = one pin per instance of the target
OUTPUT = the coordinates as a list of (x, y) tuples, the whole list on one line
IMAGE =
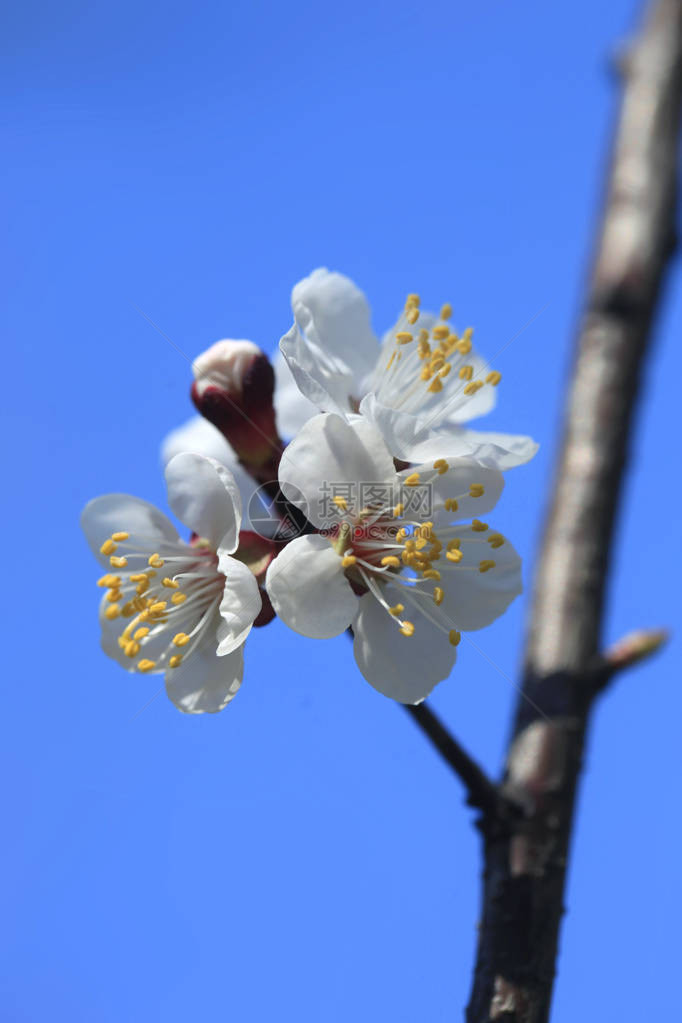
[(454, 636), (431, 573), (155, 561), (438, 595), (390, 561), (181, 639), (485, 566), (348, 560), (145, 665), (398, 510), (171, 584), (412, 315), (478, 526), (446, 311), (493, 378), (441, 465), (466, 372), (117, 562), (109, 581), (403, 337), (120, 536), (454, 556), (390, 361), (445, 370), (451, 504), (175, 661), (436, 385), (474, 386), (454, 544), (340, 502), (412, 480), (108, 547), (113, 611), (396, 610), (131, 649), (476, 490), (413, 299), (178, 598), (495, 539), (407, 629), (426, 373), (440, 331)]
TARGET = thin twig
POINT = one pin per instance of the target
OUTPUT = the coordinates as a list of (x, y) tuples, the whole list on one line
[(481, 791)]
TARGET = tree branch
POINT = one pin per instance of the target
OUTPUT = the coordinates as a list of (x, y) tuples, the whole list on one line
[(482, 793), (525, 865)]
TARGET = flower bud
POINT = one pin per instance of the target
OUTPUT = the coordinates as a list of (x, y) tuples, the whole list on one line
[(233, 388)]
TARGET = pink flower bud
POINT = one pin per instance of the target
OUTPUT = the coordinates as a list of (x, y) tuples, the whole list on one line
[(233, 388)]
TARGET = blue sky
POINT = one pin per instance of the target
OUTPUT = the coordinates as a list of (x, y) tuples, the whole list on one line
[(303, 855)]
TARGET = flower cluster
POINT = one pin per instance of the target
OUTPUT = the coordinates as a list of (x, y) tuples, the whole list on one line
[(368, 520)]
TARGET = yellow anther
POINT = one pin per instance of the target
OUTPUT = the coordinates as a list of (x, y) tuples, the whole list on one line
[(466, 372), (454, 556), (413, 299), (478, 526), (128, 610), (181, 639), (440, 331), (435, 386), (438, 595), (485, 566), (454, 636), (445, 370), (420, 543), (431, 573), (476, 490), (158, 607), (109, 581), (412, 315), (495, 539), (441, 465), (142, 586), (141, 633), (108, 547), (340, 502), (437, 360), (155, 561), (403, 337), (493, 378), (175, 661), (348, 560), (398, 509), (412, 480), (410, 545), (178, 598), (407, 629), (446, 311), (454, 544), (463, 346), (426, 373), (473, 386), (401, 534), (396, 610), (171, 584), (113, 611), (451, 504), (145, 665), (390, 561), (137, 577), (390, 361), (119, 537), (117, 562), (131, 649), (468, 334)]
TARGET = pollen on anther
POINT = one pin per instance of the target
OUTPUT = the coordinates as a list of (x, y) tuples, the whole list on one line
[(407, 629), (446, 311), (431, 573), (140, 633), (348, 560), (478, 526), (436, 386), (454, 556), (155, 561), (454, 636), (119, 537), (113, 611), (398, 510), (473, 386), (451, 504), (117, 562), (175, 661), (438, 595), (390, 561), (178, 598), (131, 649), (495, 539), (181, 639), (145, 665), (486, 565), (440, 331), (171, 584), (403, 337), (396, 610), (412, 480), (108, 547), (466, 372), (340, 502), (412, 315), (493, 378), (476, 490)]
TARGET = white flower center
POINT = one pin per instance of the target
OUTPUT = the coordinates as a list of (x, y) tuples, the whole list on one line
[(427, 370), (380, 545), (168, 597)]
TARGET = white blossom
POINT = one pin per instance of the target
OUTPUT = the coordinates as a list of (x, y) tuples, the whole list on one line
[(181, 608), (403, 573)]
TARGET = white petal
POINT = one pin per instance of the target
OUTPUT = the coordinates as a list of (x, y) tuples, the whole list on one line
[(292, 408), (401, 431), (501, 450), (331, 452), (204, 495), (336, 311), (205, 683), (455, 483), (324, 379), (406, 668), (120, 512), (472, 598), (465, 407), (240, 604), (202, 438), (308, 589)]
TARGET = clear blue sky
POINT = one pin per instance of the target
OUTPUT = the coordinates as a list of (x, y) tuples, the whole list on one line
[(304, 855)]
